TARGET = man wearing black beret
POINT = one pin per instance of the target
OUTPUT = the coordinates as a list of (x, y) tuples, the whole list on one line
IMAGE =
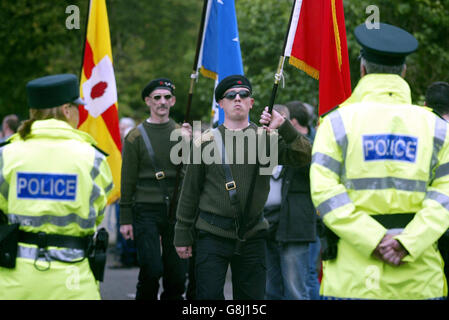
[(148, 180), (380, 183), (222, 201)]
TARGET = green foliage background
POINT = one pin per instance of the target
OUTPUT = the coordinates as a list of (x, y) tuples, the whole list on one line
[(158, 38)]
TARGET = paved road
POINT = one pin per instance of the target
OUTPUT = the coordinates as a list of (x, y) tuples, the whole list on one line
[(120, 284)]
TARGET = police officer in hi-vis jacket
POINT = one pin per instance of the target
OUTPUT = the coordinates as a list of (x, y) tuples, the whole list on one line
[(54, 184), (380, 181)]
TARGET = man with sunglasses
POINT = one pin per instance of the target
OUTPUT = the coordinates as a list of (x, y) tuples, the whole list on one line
[(148, 179), (229, 231)]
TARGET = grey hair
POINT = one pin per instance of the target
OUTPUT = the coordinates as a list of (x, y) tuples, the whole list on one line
[(129, 122), (372, 67)]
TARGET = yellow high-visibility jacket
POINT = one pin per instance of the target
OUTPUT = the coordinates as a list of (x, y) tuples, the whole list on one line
[(54, 182), (379, 154)]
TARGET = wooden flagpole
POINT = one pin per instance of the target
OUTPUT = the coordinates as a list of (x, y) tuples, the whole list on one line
[(193, 76)]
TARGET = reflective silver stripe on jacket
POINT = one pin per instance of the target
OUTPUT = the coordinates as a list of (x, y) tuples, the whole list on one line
[(4, 185), (60, 221), (67, 255), (109, 187), (327, 161), (438, 141), (386, 183), (96, 191), (333, 203), (439, 197), (442, 170), (341, 138)]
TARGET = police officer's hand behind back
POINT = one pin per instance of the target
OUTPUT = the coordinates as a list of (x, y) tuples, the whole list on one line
[(127, 231), (271, 121), (390, 251)]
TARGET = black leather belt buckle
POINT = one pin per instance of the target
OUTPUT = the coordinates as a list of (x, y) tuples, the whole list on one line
[(160, 175), (230, 185)]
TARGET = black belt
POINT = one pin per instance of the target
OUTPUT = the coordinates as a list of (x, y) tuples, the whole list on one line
[(392, 221), (389, 221), (44, 240), (225, 223)]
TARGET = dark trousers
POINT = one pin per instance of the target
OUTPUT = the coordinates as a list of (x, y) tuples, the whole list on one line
[(191, 286), (443, 246), (153, 232), (126, 249), (213, 256)]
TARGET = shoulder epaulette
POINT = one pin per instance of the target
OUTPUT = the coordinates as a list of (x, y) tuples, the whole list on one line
[(101, 151), (204, 137), (132, 134)]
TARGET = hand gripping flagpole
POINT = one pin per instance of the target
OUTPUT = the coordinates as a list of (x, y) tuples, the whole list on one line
[(193, 77), (279, 73)]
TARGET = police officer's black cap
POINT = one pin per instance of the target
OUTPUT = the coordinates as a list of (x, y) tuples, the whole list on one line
[(53, 91), (159, 83), (234, 81), (387, 45)]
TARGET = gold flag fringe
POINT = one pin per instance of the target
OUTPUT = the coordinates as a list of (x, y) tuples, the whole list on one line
[(337, 34), (301, 65), (208, 74)]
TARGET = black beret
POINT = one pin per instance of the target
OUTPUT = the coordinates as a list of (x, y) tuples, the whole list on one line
[(234, 81), (160, 83), (387, 45), (53, 91)]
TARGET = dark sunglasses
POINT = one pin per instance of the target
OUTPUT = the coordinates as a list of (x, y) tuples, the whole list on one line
[(232, 94), (158, 97)]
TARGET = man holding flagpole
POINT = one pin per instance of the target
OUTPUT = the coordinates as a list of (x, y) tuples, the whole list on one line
[(221, 203)]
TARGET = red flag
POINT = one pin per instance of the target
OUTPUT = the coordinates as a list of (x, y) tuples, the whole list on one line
[(317, 44)]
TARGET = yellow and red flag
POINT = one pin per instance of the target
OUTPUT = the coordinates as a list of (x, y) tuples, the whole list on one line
[(317, 44), (99, 117)]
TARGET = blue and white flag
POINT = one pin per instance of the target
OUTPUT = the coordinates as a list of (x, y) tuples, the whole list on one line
[(220, 54)]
